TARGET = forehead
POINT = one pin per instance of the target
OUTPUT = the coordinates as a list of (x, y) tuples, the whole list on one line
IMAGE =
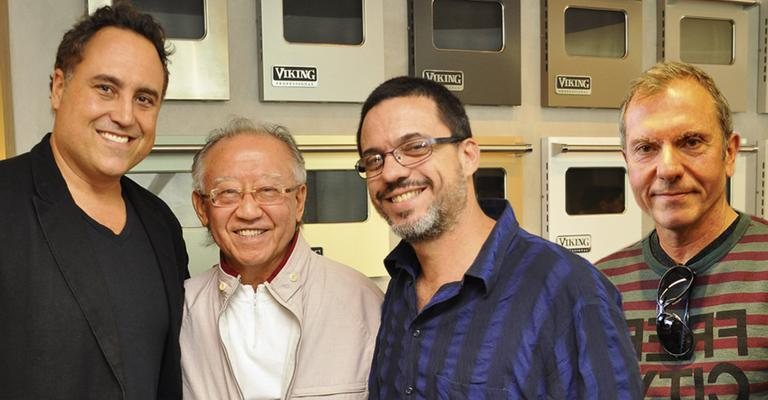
[(128, 51), (249, 156), (683, 106), (390, 121)]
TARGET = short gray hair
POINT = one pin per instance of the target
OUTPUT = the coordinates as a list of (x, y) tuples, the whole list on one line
[(244, 126), (660, 76)]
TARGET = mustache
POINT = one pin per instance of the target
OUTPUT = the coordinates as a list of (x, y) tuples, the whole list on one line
[(402, 183)]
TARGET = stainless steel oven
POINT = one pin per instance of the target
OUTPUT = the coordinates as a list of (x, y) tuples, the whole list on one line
[(326, 51), (470, 46), (591, 50), (587, 203), (197, 30), (713, 35)]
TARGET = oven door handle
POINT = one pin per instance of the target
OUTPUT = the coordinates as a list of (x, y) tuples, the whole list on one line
[(558, 148)]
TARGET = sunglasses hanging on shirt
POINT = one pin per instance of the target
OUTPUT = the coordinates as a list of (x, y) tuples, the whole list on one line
[(673, 331)]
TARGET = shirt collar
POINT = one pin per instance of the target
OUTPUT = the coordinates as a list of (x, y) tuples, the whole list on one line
[(289, 250), (486, 266)]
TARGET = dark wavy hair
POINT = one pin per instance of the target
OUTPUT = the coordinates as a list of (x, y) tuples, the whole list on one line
[(120, 15)]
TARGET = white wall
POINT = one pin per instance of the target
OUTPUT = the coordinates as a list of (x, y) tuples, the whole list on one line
[(36, 27)]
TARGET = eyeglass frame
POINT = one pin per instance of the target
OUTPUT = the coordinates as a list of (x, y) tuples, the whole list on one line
[(663, 315), (431, 142), (211, 195)]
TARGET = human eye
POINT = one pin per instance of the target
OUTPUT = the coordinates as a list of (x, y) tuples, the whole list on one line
[(692, 142), (417, 146), (145, 100), (269, 193), (226, 195), (372, 162), (104, 89)]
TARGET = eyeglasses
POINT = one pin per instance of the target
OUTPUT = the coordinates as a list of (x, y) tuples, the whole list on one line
[(673, 331), (233, 196), (407, 154)]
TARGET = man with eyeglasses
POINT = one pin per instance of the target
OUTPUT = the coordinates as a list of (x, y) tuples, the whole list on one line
[(476, 308), (696, 288), (273, 320)]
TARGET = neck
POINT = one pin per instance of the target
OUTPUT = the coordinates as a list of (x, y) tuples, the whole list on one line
[(682, 244), (103, 201), (447, 257)]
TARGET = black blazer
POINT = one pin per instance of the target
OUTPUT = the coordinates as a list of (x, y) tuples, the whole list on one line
[(58, 336)]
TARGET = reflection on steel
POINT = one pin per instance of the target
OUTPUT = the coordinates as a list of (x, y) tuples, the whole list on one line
[(584, 148)]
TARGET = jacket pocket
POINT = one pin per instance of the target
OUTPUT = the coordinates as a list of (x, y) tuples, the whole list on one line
[(347, 391)]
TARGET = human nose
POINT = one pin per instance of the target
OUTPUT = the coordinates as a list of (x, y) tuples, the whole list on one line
[(123, 112), (669, 167), (249, 207)]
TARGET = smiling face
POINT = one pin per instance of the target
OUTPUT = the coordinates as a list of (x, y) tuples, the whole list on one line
[(251, 235), (424, 200), (676, 157), (106, 110)]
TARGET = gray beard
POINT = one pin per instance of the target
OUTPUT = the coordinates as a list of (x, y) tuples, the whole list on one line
[(440, 217)]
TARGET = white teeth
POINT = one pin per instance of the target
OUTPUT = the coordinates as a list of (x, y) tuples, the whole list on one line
[(114, 138), (250, 232), (405, 196)]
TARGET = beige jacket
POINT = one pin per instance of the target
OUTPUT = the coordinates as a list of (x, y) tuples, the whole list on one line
[(338, 310)]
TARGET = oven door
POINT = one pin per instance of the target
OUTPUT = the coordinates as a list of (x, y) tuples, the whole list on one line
[(470, 46), (591, 50), (713, 35), (197, 29), (330, 50), (588, 205)]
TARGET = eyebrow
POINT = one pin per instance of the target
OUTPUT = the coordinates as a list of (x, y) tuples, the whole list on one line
[(120, 84), (405, 138)]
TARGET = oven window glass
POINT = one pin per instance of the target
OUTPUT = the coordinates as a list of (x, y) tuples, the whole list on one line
[(598, 190), (595, 33), (468, 25), (706, 41), (181, 19), (326, 21), (335, 196), (490, 183), (175, 188)]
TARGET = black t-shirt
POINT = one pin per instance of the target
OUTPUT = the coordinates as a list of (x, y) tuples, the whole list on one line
[(138, 298)]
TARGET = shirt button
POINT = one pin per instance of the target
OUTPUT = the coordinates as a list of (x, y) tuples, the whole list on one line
[(417, 333), (409, 389)]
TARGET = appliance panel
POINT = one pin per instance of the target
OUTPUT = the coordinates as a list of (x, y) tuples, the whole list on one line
[(470, 46), (315, 51), (588, 205), (199, 66), (713, 35), (591, 50)]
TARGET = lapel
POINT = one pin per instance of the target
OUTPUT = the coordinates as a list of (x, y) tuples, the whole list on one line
[(63, 227), (161, 237)]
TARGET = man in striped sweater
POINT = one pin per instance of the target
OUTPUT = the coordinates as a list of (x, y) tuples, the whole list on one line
[(695, 289)]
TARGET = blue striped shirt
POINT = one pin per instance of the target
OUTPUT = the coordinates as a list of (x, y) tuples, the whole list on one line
[(529, 320)]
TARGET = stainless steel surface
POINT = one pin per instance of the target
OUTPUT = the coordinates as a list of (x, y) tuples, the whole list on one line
[(589, 80), (476, 77), (199, 69), (320, 72), (730, 78)]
